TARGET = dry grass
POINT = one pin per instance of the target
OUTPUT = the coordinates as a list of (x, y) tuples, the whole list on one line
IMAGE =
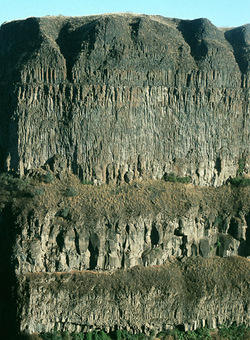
[(124, 202)]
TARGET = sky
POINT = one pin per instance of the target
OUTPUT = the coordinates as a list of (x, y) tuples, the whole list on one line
[(222, 13)]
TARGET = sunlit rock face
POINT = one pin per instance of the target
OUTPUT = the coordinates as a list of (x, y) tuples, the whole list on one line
[(113, 99), (122, 97)]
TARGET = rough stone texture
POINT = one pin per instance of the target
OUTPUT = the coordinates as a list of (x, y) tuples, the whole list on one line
[(193, 293), (114, 99), (122, 97), (112, 227), (48, 244)]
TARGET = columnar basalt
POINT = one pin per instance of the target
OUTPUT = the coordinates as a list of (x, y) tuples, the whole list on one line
[(124, 102), (125, 97)]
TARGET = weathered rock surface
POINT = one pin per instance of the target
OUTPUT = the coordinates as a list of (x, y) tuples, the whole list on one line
[(114, 99), (112, 227), (122, 97), (193, 293)]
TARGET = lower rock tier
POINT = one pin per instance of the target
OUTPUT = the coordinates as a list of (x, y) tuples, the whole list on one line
[(192, 293)]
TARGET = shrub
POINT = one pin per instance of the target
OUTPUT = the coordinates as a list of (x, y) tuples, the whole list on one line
[(89, 336), (48, 177), (241, 166), (15, 185), (85, 182), (240, 181), (71, 192), (173, 178), (234, 332), (37, 192)]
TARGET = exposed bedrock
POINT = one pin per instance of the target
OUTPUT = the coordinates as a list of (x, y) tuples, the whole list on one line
[(112, 227), (190, 294), (49, 245), (122, 97)]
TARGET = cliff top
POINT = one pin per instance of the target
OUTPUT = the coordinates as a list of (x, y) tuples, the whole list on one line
[(108, 41)]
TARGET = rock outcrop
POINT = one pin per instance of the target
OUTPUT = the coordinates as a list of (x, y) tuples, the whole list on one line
[(122, 97), (125, 102), (76, 234)]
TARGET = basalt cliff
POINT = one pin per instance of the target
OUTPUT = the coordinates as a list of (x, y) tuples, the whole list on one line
[(124, 153), (125, 97)]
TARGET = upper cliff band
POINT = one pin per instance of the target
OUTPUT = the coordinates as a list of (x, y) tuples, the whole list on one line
[(120, 97)]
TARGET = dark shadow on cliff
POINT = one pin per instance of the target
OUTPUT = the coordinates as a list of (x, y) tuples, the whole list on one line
[(195, 33), (72, 42), (20, 40), (238, 38), (8, 286)]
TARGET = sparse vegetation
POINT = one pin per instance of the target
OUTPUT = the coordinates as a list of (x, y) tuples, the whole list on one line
[(48, 177), (223, 333), (63, 212), (71, 192), (235, 332), (240, 181), (173, 178), (85, 182), (241, 166), (37, 192), (15, 185)]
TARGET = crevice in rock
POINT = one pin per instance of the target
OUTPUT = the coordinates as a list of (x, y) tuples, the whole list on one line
[(154, 236), (127, 229), (184, 246), (94, 244), (60, 240), (135, 26), (67, 260), (218, 165), (77, 242), (247, 248)]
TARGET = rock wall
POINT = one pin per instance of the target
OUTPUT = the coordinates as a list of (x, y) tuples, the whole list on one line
[(114, 99), (190, 294), (123, 97), (166, 250), (49, 244), (111, 227)]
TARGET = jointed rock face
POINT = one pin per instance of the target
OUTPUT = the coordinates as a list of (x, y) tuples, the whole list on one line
[(124, 101), (123, 97)]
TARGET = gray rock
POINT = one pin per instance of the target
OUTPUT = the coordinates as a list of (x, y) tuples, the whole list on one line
[(194, 293), (122, 97)]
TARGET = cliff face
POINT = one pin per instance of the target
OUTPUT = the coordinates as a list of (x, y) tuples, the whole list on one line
[(123, 97), (114, 99)]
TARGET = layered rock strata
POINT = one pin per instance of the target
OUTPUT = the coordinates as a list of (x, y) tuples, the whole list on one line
[(122, 97), (114, 99), (112, 227)]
